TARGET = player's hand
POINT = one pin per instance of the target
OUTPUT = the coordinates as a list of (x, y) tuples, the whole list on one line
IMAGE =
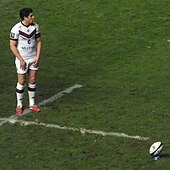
[(23, 64), (36, 62)]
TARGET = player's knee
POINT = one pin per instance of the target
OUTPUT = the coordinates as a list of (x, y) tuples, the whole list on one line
[(22, 82), (32, 80)]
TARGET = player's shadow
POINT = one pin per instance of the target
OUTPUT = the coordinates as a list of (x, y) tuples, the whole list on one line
[(165, 155)]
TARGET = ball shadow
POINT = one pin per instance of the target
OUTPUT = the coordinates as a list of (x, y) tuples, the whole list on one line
[(165, 155)]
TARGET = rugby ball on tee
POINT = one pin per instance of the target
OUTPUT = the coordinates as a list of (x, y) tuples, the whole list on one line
[(156, 148)]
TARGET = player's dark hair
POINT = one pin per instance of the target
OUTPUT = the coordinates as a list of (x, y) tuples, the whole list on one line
[(24, 12)]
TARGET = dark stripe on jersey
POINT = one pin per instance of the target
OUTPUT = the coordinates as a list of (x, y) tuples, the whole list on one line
[(13, 39), (37, 35), (27, 35), (27, 25)]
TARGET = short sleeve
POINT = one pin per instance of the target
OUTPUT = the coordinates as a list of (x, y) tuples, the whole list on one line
[(37, 34), (14, 34)]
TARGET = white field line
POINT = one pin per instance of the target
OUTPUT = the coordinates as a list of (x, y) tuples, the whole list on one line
[(44, 102), (13, 119), (81, 130)]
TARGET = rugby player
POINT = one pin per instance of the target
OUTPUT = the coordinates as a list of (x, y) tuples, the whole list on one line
[(25, 44)]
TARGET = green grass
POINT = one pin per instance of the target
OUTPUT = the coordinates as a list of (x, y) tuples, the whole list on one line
[(119, 51)]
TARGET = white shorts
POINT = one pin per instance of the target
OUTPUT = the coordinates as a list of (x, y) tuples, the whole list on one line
[(29, 66)]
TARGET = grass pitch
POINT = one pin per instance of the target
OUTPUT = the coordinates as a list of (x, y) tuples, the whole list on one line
[(119, 51)]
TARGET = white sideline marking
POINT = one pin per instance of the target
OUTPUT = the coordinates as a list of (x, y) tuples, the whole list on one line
[(13, 119), (44, 102), (81, 130)]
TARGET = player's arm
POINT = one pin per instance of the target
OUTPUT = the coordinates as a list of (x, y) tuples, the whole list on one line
[(38, 47), (13, 47)]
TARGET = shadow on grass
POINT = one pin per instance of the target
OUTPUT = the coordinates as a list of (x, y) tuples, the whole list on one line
[(165, 155)]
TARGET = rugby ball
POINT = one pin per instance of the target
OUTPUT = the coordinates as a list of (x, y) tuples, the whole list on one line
[(156, 148)]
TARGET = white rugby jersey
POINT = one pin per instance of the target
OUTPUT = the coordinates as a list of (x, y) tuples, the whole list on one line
[(26, 38)]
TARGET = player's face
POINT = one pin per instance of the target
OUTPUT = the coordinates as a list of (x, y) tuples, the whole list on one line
[(30, 18)]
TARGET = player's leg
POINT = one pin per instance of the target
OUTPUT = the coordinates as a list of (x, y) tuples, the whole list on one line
[(20, 93), (32, 74), (20, 86)]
